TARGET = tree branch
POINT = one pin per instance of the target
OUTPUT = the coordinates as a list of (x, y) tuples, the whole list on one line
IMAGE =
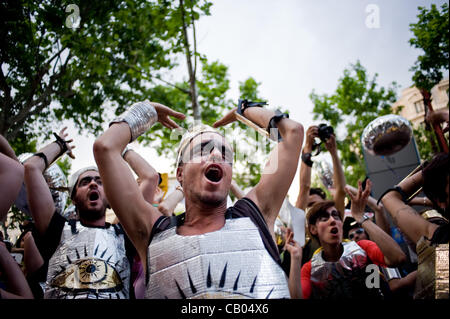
[(195, 107), (195, 39), (18, 125), (8, 101), (36, 106), (58, 59), (5, 87), (174, 85), (28, 95), (56, 55)]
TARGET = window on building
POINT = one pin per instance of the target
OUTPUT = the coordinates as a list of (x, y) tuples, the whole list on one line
[(419, 106)]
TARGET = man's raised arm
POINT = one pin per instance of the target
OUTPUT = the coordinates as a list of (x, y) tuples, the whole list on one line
[(147, 176), (40, 199), (405, 217), (393, 254), (280, 170), (306, 168), (338, 174), (135, 214), (11, 176)]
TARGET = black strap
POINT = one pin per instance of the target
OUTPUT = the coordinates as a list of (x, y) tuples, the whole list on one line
[(256, 209), (273, 124), (178, 220), (306, 158), (62, 144), (317, 147), (229, 213), (397, 189), (243, 104), (118, 229), (44, 157), (73, 226)]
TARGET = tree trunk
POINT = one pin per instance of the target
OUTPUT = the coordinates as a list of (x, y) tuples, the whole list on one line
[(192, 80)]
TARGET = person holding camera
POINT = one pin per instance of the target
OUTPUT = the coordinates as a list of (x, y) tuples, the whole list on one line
[(308, 196), (327, 137)]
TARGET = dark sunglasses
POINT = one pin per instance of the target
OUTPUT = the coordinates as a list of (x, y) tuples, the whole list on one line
[(324, 216), (207, 147), (359, 231)]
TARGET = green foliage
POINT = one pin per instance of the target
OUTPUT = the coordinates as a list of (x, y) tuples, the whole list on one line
[(356, 102), (212, 89), (119, 54), (424, 140), (431, 34), (212, 85), (17, 218), (65, 165), (87, 73), (24, 144), (249, 90)]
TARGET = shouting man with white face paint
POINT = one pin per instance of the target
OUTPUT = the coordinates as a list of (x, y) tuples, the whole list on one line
[(210, 251)]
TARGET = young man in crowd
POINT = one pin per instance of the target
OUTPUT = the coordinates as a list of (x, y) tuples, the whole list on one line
[(90, 258), (209, 251)]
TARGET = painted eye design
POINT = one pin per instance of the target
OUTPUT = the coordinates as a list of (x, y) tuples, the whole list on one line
[(89, 274)]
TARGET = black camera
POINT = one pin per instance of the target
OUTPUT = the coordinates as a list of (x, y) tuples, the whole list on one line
[(325, 131)]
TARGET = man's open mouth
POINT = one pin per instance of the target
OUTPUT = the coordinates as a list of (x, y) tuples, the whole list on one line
[(334, 230), (94, 196), (214, 173)]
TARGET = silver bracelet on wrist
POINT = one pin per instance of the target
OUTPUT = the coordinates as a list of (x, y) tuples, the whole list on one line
[(391, 273), (139, 117), (365, 217)]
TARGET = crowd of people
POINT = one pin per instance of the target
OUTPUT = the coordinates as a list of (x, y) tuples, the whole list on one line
[(214, 250)]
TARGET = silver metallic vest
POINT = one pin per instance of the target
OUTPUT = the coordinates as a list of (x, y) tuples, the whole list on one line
[(344, 278), (229, 263), (89, 264)]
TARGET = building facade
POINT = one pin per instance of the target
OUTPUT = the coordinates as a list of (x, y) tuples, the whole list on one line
[(412, 101)]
